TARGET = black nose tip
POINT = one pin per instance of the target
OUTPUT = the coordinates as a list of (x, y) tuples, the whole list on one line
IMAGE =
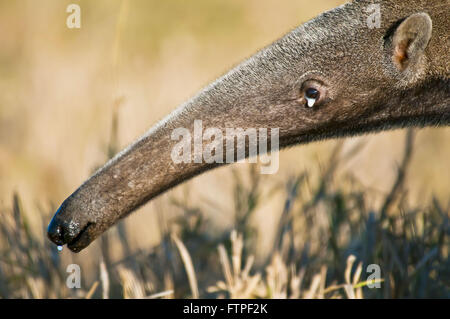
[(55, 232)]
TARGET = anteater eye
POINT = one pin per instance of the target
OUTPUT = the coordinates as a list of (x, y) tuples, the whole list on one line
[(311, 96)]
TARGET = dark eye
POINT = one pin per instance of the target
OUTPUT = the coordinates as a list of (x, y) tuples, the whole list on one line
[(312, 93), (311, 96)]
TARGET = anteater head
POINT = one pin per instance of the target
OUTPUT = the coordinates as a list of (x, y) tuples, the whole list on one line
[(339, 74)]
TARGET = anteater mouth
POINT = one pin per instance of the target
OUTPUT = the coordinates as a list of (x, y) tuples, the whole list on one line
[(83, 238)]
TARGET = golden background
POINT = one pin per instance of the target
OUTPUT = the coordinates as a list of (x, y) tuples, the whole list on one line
[(60, 87)]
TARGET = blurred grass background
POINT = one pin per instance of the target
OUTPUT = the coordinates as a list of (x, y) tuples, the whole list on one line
[(70, 98)]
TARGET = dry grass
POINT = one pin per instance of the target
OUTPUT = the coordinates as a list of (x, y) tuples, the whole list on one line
[(326, 238)]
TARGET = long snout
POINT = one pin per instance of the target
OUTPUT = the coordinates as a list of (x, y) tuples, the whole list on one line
[(147, 168), (252, 96)]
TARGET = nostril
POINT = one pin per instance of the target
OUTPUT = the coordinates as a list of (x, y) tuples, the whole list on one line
[(56, 233)]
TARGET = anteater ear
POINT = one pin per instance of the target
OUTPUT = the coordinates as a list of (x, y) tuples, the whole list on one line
[(409, 42)]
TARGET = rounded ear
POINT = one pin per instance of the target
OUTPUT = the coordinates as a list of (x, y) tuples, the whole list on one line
[(409, 42)]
